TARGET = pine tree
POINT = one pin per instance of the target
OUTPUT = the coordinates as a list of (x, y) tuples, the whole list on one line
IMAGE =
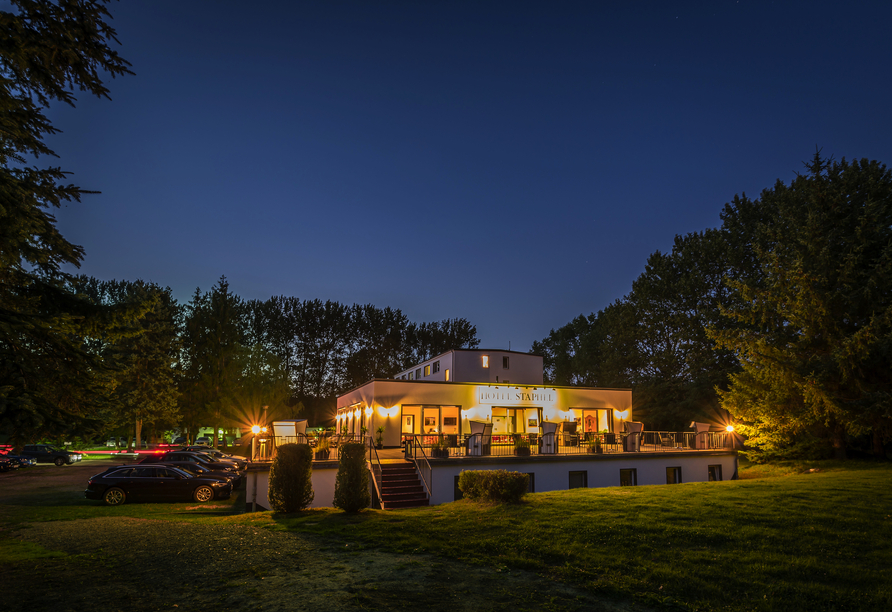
[(48, 381)]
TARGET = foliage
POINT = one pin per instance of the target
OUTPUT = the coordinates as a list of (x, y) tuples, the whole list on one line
[(48, 381), (500, 486), (144, 358), (290, 478), (352, 482), (521, 441), (379, 435), (813, 324)]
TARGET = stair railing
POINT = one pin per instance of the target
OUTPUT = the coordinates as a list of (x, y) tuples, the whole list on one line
[(374, 464), (422, 465)]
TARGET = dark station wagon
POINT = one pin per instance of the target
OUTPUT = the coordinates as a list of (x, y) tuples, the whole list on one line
[(154, 483), (46, 453)]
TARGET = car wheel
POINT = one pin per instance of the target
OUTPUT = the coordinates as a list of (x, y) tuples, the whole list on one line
[(59, 461), (114, 497), (203, 494)]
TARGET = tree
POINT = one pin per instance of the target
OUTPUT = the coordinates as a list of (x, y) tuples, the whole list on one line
[(142, 356), (812, 325), (48, 381), (215, 333)]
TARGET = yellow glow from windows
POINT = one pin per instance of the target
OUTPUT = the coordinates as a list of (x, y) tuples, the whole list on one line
[(447, 374), (486, 361)]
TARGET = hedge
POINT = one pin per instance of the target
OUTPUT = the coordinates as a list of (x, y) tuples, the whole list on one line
[(352, 484), (291, 478), (494, 485)]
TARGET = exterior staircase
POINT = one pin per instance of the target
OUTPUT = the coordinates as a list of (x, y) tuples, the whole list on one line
[(401, 486)]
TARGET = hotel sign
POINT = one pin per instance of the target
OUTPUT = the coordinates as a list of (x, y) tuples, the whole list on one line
[(515, 396)]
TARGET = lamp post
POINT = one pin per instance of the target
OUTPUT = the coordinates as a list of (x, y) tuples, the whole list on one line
[(254, 430)]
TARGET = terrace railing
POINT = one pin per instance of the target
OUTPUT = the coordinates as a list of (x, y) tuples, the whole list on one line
[(374, 463), (416, 451), (444, 446)]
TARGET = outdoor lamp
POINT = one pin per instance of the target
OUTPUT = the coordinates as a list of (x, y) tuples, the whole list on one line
[(255, 429), (729, 429), (368, 411)]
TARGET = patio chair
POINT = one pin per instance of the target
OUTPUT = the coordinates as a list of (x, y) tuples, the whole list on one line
[(476, 438), (632, 439), (568, 435), (701, 437), (548, 439)]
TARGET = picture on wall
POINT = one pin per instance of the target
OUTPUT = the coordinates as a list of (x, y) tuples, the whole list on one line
[(430, 421), (450, 421), (532, 423)]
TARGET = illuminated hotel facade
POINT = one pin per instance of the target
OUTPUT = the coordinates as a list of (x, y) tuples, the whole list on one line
[(444, 394)]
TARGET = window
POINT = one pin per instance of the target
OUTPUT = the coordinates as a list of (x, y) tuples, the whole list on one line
[(715, 473), (427, 370), (436, 367), (504, 363), (628, 477), (418, 374), (447, 374), (486, 361), (578, 480), (411, 376), (450, 421), (673, 475)]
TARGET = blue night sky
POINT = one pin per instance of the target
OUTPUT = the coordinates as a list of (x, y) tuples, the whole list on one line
[(513, 163)]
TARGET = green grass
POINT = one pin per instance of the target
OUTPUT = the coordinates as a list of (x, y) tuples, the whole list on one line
[(809, 542), (783, 538)]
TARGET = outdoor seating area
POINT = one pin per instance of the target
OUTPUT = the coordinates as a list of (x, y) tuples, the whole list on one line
[(555, 441)]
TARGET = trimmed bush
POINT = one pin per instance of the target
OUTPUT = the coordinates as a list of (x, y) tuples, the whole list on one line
[(291, 478), (352, 484), (499, 486)]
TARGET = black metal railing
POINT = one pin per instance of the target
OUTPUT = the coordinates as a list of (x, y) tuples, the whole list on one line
[(437, 446), (415, 451), (374, 463)]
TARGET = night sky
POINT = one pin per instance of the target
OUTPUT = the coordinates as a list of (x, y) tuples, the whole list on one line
[(511, 163)]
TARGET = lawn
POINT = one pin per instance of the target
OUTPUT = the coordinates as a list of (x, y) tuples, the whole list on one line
[(783, 538)]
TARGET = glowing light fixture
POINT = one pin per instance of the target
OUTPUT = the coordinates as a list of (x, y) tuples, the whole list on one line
[(729, 428), (368, 411), (255, 429), (356, 413), (621, 415), (486, 361)]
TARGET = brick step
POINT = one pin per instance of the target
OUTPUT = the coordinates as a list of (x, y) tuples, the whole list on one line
[(400, 470), (402, 491), (407, 503), (386, 479)]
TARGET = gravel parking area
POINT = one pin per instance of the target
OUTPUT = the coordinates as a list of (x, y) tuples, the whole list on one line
[(132, 564)]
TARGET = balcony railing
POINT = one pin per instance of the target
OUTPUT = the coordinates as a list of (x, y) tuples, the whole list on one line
[(442, 446)]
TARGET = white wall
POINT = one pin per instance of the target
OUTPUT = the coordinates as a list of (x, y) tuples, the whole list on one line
[(323, 486), (603, 470)]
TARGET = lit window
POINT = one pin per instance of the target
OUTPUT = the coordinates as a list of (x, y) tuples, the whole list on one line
[(486, 361), (715, 472), (447, 374), (436, 367), (427, 370), (504, 363), (411, 376)]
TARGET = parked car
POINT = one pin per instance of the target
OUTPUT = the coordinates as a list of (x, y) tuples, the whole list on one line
[(153, 483), (21, 461), (198, 470), (181, 440), (204, 440), (7, 464), (218, 455), (191, 457), (116, 442), (46, 453)]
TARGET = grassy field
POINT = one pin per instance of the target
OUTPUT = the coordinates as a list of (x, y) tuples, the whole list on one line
[(786, 537)]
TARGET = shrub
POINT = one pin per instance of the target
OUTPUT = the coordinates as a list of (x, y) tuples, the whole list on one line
[(291, 478), (352, 484), (494, 485)]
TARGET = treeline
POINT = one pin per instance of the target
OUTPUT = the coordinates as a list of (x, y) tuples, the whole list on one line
[(226, 362), (779, 321)]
